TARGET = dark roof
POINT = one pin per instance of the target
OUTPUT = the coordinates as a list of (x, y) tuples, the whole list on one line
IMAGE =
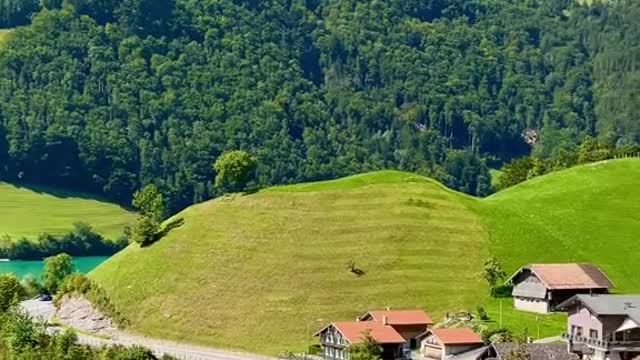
[(536, 351), (530, 290), (568, 276), (628, 305), (399, 317)]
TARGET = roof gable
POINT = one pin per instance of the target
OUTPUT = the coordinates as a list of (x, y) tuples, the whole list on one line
[(354, 332), (399, 317), (628, 305), (453, 336), (568, 276)]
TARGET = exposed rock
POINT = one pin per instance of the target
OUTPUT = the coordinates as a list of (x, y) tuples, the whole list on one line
[(79, 313)]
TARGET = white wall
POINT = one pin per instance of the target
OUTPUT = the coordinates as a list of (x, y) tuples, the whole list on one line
[(532, 305)]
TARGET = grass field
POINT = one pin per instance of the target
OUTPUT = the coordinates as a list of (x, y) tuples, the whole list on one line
[(252, 272), (31, 211)]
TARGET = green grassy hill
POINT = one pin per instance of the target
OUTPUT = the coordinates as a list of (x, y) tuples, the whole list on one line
[(31, 211), (252, 272)]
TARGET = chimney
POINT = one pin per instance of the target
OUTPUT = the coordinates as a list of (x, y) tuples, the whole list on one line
[(385, 321)]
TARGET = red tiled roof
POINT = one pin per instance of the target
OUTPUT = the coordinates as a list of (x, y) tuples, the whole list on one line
[(354, 332), (401, 317), (571, 276), (456, 336)]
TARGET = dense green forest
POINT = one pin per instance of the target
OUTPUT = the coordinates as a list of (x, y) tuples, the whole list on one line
[(106, 96)]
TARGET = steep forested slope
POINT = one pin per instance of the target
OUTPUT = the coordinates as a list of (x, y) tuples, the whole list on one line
[(105, 96)]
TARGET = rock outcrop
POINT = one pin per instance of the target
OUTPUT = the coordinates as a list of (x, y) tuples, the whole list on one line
[(78, 313)]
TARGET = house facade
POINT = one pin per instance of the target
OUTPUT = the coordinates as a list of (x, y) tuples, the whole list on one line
[(337, 338), (408, 323), (441, 344), (603, 327), (540, 288)]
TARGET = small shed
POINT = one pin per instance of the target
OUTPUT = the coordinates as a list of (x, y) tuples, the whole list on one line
[(541, 287)]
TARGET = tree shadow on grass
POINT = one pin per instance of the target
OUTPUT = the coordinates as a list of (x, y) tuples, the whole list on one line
[(165, 230)]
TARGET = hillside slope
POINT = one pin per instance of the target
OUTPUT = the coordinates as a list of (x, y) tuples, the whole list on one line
[(252, 272), (33, 211), (588, 213)]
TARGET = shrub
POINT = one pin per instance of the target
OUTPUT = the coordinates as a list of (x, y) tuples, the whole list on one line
[(56, 269), (145, 230), (11, 291)]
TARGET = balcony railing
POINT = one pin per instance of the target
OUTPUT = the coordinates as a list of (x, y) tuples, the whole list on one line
[(602, 344)]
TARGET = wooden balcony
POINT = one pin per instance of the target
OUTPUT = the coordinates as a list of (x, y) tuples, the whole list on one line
[(608, 345)]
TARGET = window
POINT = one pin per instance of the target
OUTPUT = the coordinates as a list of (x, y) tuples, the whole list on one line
[(593, 334), (576, 330)]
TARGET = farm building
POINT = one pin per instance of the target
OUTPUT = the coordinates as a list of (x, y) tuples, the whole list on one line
[(541, 288)]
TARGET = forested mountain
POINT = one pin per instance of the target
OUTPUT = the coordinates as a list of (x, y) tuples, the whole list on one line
[(106, 96)]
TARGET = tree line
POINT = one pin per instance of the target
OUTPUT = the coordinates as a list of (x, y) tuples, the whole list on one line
[(81, 241), (110, 96)]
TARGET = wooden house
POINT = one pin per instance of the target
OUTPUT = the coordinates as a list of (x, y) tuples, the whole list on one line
[(541, 287), (408, 323), (338, 337)]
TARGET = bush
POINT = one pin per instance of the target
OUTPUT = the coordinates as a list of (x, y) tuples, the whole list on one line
[(145, 231), (11, 291), (31, 286), (56, 269)]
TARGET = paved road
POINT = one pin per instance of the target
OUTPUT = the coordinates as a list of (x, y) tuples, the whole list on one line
[(44, 311)]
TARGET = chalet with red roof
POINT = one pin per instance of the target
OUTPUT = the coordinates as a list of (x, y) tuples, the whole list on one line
[(408, 323), (395, 330), (440, 344), (541, 287), (338, 337)]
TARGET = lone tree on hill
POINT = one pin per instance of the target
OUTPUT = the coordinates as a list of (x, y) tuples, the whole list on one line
[(369, 349), (150, 202), (493, 273), (56, 268), (233, 170)]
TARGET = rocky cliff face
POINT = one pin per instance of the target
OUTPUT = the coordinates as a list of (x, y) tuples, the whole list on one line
[(79, 313)]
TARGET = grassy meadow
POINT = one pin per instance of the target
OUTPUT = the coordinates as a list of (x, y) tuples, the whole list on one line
[(30, 211), (253, 272)]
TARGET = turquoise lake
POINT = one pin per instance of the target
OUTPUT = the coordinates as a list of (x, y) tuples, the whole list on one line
[(21, 268)]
